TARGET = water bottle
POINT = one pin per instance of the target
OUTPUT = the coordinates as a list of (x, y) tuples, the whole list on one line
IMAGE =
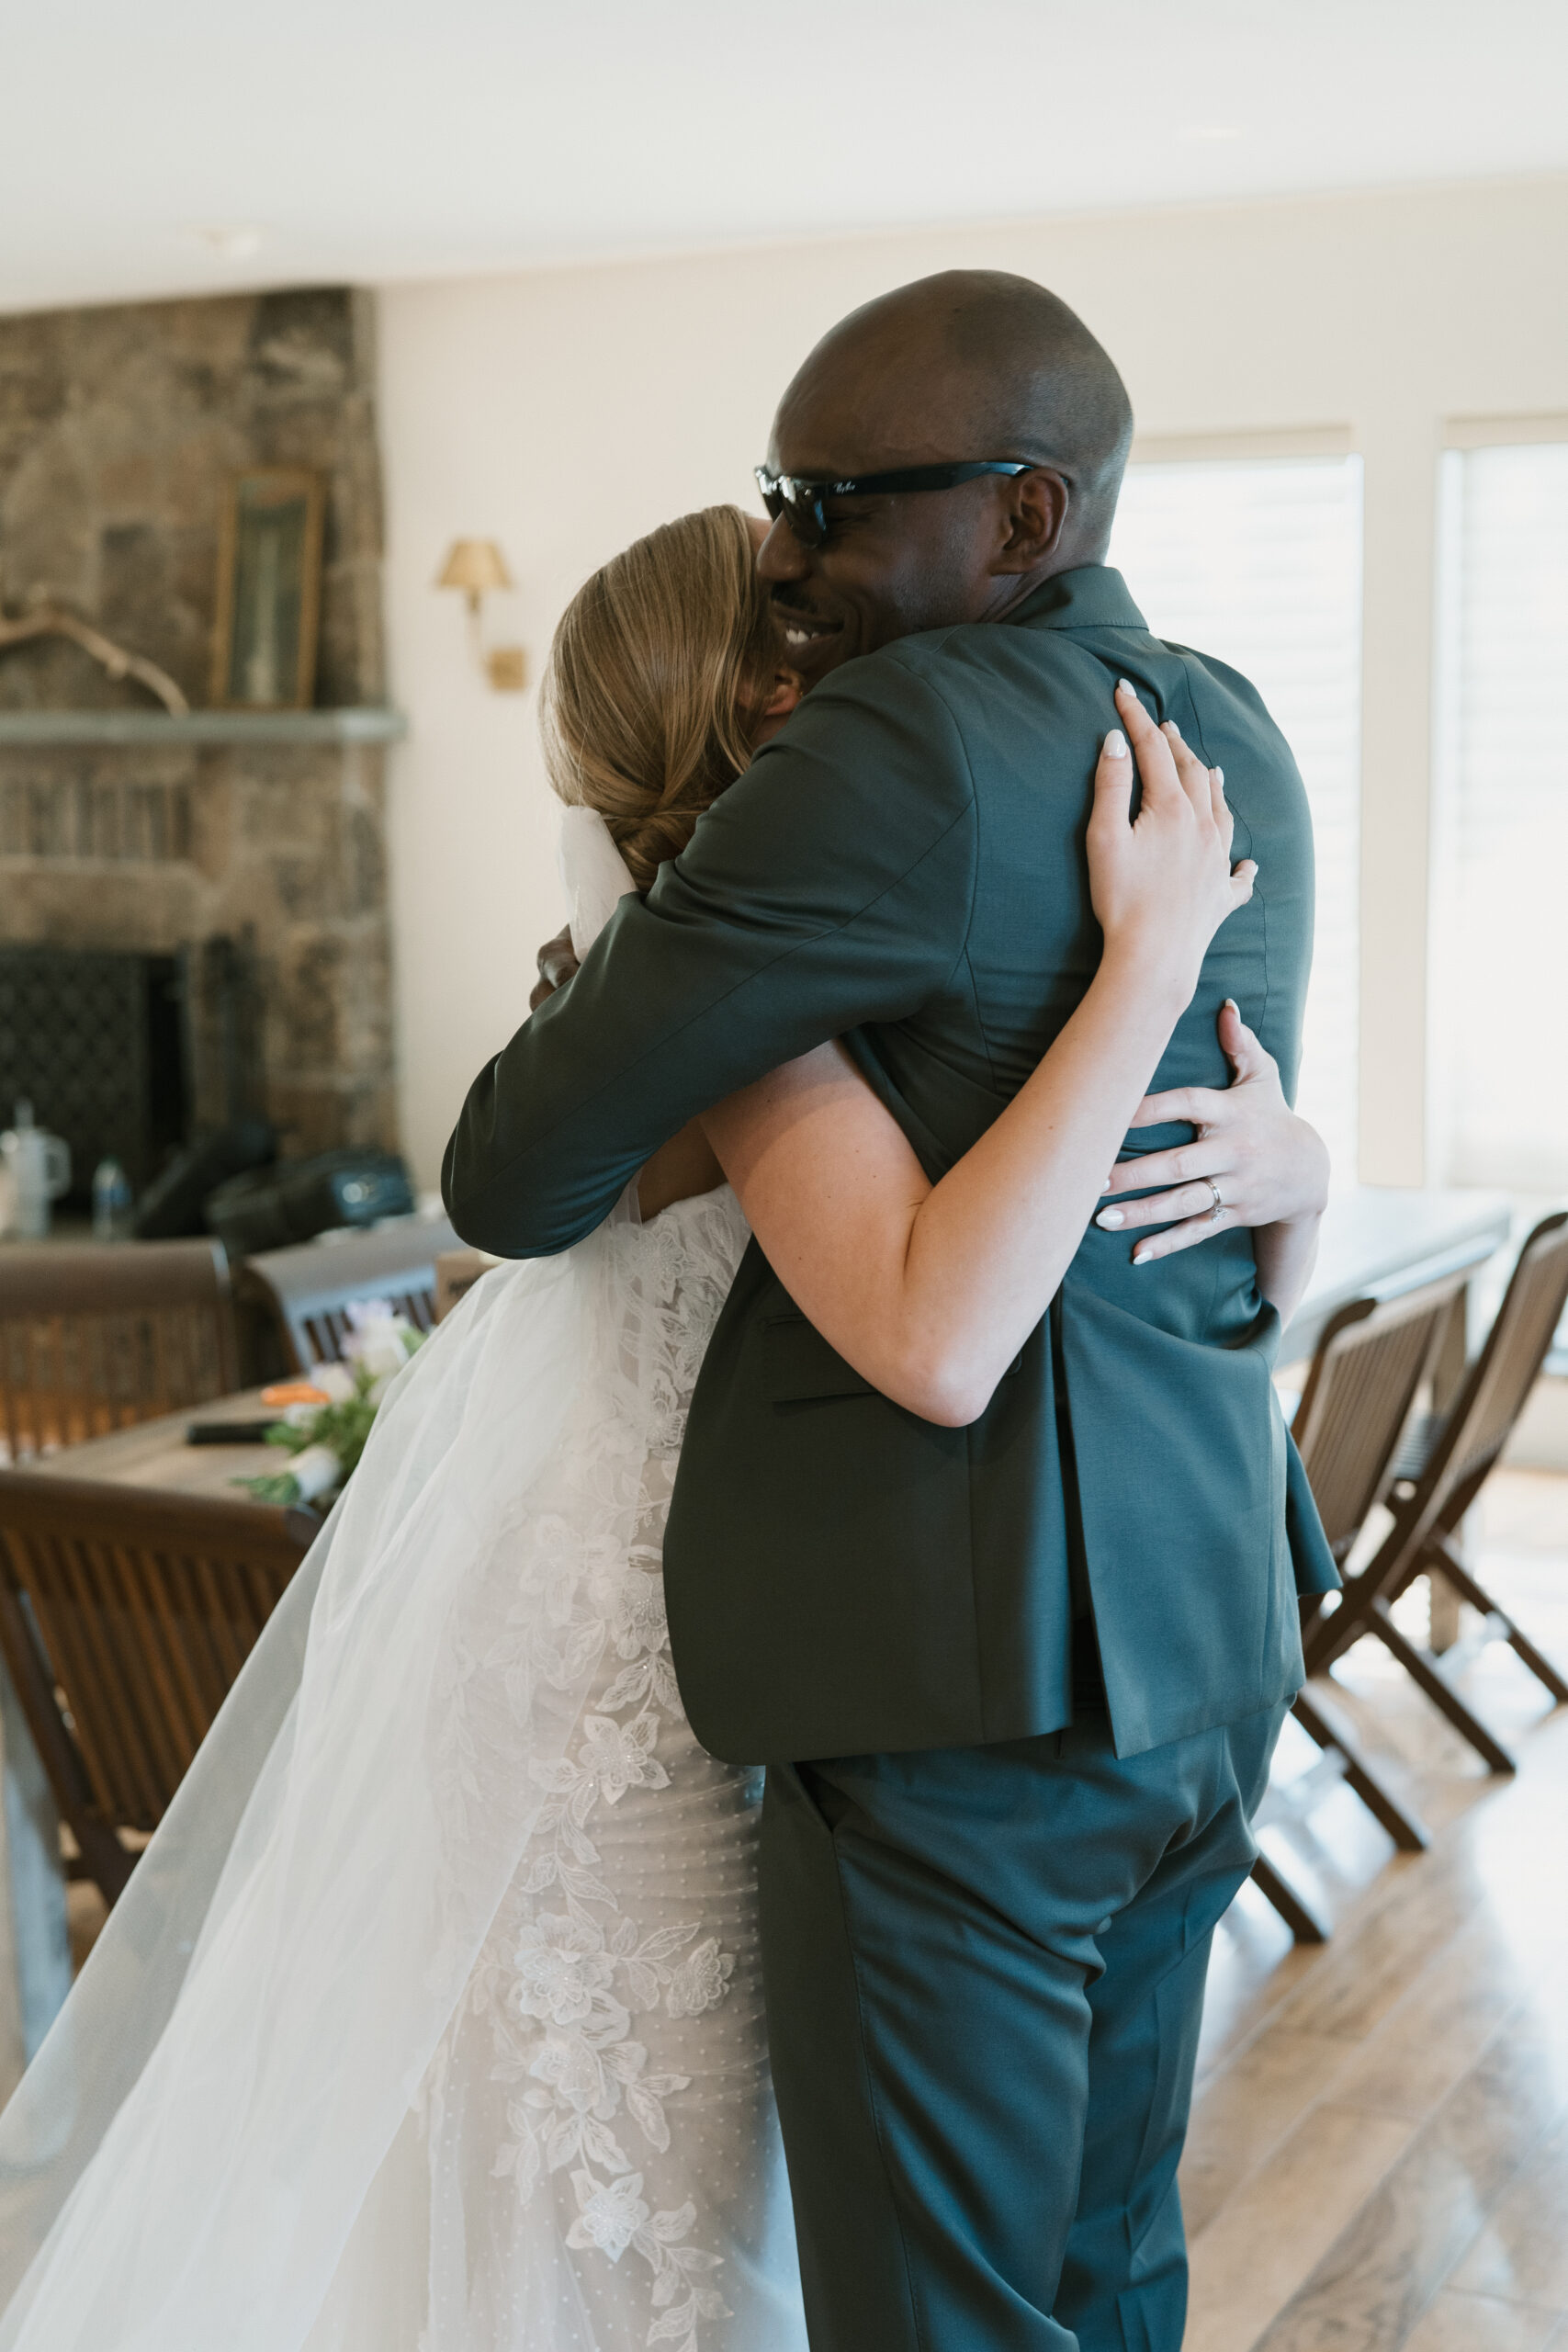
[(112, 1202), (39, 1168)]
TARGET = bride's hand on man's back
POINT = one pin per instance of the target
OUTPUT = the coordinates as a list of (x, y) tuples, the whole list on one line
[(556, 960), (1251, 1161), (1162, 883)]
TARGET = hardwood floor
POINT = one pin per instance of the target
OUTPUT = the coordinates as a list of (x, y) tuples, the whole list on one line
[(1379, 2153)]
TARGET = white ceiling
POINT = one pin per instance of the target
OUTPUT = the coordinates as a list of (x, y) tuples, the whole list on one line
[(177, 145)]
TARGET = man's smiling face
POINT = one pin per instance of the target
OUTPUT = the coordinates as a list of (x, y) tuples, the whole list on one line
[(894, 564), (888, 567)]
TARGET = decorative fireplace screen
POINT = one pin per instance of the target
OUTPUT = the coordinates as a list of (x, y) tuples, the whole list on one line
[(97, 1043)]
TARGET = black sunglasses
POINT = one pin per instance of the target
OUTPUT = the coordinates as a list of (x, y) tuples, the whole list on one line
[(800, 497)]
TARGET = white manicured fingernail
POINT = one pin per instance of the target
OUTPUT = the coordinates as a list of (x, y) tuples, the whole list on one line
[(1141, 1256), (1220, 779), (1116, 745), (1125, 686), (1112, 1219)]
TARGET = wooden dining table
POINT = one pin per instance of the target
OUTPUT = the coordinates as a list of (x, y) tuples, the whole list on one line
[(159, 1453)]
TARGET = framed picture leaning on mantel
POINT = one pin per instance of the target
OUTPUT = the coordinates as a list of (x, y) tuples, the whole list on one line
[(269, 590)]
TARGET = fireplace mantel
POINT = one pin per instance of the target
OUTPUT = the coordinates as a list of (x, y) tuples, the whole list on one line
[(368, 723)]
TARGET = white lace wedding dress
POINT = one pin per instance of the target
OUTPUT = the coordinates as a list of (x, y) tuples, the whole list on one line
[(431, 2018)]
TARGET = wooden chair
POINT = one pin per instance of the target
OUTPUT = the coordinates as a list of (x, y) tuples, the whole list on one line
[(306, 1292), (93, 1338), (125, 1616), (1429, 1507), (1370, 1364)]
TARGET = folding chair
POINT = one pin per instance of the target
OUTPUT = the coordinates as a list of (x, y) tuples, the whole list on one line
[(1428, 1508), (125, 1616), (1366, 1375), (93, 1338), (305, 1292)]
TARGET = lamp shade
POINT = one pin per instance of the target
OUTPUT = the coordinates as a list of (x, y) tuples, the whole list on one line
[(474, 565)]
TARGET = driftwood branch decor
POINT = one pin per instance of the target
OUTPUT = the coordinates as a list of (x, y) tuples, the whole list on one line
[(48, 620)]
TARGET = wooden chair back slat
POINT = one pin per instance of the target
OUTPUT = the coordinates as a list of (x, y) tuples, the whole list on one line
[(149, 1730), (125, 1616), (214, 1645), (94, 1340), (185, 1689), (1366, 1374), (63, 1614), (84, 1610)]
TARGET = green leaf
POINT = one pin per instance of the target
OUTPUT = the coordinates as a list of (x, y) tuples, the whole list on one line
[(277, 1486)]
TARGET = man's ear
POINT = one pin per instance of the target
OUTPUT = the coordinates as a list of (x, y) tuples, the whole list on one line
[(1036, 515)]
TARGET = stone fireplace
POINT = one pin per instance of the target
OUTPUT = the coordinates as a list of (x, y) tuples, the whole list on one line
[(246, 848)]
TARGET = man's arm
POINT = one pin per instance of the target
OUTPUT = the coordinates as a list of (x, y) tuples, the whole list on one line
[(830, 886)]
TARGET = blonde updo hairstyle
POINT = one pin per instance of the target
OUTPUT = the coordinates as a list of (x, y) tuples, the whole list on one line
[(659, 670)]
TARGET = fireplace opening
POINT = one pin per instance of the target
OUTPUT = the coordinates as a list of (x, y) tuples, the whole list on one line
[(99, 1043)]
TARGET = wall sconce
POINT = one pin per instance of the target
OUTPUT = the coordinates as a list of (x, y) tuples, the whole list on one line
[(476, 566)]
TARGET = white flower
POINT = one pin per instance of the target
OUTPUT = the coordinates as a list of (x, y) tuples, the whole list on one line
[(335, 1382), (382, 1358), (316, 1470), (609, 2215), (701, 1982), (382, 1342), (620, 1755), (561, 1965)]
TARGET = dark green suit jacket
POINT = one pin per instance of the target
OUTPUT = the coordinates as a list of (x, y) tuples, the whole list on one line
[(904, 865)]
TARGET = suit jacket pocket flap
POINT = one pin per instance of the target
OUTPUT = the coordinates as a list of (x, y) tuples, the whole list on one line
[(797, 1364)]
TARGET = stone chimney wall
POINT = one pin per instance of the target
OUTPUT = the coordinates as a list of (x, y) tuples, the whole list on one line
[(118, 429)]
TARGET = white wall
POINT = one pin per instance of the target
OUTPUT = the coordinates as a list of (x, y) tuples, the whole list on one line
[(564, 412)]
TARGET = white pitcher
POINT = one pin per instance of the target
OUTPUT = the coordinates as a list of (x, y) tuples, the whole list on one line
[(39, 1165)]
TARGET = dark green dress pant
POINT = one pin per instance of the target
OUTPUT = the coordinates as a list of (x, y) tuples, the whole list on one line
[(985, 1979)]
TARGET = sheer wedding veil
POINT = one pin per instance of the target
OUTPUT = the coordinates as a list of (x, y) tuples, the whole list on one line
[(594, 873), (182, 2163)]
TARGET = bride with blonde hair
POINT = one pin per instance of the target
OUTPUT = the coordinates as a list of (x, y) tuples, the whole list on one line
[(431, 2018)]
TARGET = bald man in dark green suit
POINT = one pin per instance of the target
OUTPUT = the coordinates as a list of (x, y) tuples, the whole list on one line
[(1017, 1684)]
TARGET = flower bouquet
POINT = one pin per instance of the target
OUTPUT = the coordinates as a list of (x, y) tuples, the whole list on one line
[(325, 1419)]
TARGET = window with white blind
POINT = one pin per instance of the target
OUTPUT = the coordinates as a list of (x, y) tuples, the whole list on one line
[(1258, 560), (1500, 899)]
